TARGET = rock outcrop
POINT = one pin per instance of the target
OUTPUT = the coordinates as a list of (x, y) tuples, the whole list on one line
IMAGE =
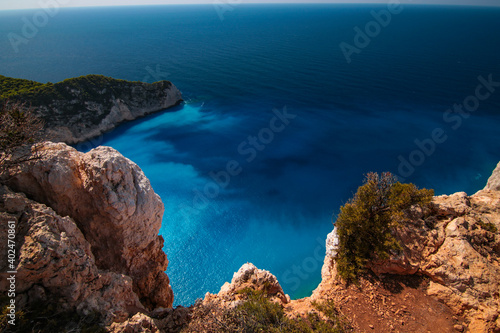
[(161, 320), (116, 213), (78, 109), (83, 116), (55, 263), (494, 181), (250, 277), (456, 245)]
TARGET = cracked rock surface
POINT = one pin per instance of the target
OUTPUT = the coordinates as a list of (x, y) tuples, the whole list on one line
[(106, 218), (456, 245)]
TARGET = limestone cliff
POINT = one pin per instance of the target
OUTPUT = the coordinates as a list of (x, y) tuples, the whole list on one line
[(89, 230), (494, 181), (79, 109), (447, 278), (457, 246), (87, 239), (56, 264)]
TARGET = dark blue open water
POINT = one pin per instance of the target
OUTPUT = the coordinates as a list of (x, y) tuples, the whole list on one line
[(343, 119)]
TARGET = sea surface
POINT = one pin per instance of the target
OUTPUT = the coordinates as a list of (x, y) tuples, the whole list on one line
[(278, 128)]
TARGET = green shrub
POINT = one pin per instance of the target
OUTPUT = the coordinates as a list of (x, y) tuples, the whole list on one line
[(18, 126), (336, 323), (365, 222), (10, 86), (258, 314), (19, 130)]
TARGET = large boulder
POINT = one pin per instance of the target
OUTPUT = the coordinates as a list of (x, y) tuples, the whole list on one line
[(248, 277), (112, 203), (55, 263)]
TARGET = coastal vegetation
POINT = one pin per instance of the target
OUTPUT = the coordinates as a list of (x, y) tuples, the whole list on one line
[(365, 222), (90, 87), (10, 87), (256, 313), (81, 108), (19, 128)]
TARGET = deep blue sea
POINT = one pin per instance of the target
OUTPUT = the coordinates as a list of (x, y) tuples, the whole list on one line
[(278, 129)]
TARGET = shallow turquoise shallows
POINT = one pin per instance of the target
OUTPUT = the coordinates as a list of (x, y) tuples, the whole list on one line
[(278, 127)]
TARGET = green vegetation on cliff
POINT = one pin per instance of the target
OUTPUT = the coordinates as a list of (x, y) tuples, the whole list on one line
[(365, 222), (88, 88), (257, 313), (19, 128), (77, 109), (10, 87)]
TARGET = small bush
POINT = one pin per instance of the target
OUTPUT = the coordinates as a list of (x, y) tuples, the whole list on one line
[(258, 314), (18, 126), (336, 320), (19, 130), (365, 222)]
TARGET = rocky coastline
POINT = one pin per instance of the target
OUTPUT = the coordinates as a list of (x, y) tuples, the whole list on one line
[(86, 233), (87, 238), (79, 109), (454, 252)]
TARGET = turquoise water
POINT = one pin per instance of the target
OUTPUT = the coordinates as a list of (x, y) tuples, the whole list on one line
[(278, 128)]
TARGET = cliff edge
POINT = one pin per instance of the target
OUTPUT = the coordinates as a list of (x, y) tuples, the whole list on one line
[(451, 254), (445, 279), (86, 235), (86, 232), (78, 109)]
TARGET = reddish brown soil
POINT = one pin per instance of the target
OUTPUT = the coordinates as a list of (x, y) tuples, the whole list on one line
[(389, 304)]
